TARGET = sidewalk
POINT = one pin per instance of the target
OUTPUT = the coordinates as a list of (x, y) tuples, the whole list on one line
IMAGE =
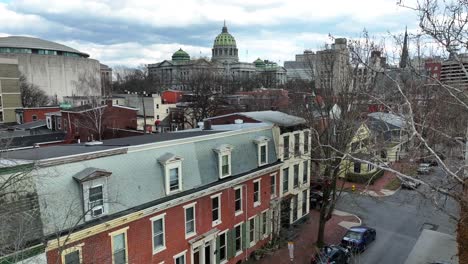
[(377, 189), (304, 243)]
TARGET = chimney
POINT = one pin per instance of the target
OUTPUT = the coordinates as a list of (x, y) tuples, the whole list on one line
[(207, 125), (109, 102)]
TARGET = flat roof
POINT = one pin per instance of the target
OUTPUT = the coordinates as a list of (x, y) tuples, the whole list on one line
[(36, 43), (110, 144)]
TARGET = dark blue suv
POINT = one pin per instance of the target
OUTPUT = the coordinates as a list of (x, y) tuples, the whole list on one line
[(358, 238)]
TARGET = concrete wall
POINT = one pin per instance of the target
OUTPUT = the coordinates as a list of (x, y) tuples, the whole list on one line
[(57, 75), (10, 97)]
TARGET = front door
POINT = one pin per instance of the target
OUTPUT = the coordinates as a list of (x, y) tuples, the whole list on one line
[(196, 257), (208, 253)]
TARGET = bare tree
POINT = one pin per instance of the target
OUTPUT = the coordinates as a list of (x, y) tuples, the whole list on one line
[(31, 94)]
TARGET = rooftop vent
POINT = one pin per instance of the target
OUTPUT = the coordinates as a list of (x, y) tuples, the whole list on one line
[(238, 121), (93, 143)]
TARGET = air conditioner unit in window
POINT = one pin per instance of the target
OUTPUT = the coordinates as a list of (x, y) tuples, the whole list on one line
[(97, 211)]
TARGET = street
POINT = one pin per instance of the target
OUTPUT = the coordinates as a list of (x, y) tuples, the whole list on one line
[(398, 220)]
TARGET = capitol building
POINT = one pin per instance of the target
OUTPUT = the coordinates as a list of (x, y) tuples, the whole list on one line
[(175, 73)]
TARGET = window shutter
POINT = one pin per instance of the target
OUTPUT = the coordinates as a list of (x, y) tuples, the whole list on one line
[(217, 249), (269, 221), (247, 235), (260, 226), (231, 243), (244, 236), (257, 227)]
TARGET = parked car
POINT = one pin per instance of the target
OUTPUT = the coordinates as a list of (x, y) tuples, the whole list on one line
[(332, 254), (358, 238), (316, 199), (424, 168), (410, 184)]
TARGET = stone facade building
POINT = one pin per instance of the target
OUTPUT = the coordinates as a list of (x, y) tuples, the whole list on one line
[(10, 96), (172, 74)]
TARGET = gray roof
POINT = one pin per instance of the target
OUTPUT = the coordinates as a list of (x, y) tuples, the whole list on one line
[(35, 43), (271, 117), (389, 118), (31, 125), (76, 149), (138, 178), (89, 172)]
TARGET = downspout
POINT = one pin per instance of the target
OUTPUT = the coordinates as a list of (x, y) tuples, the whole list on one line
[(246, 224)]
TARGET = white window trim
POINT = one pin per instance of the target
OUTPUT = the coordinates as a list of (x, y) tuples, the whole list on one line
[(191, 205), (225, 246), (273, 175), (283, 193), (217, 222), (293, 139), (254, 241), (223, 150), (86, 186), (262, 141), (167, 168), (282, 145), (298, 164), (155, 218), (241, 250), (183, 253), (308, 139), (116, 233), (259, 202), (236, 213), (74, 248), (301, 180)]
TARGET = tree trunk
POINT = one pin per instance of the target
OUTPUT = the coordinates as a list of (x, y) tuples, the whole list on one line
[(321, 227), (462, 235)]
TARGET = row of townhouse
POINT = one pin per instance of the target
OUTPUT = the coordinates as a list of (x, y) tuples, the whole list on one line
[(199, 196)]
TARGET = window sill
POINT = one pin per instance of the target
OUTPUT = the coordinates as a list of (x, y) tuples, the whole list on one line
[(156, 251), (224, 176), (252, 244), (215, 223), (238, 253), (238, 213), (223, 261), (189, 235), (257, 204), (273, 196)]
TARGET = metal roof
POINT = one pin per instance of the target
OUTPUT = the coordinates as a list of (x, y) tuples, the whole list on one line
[(389, 118), (36, 43), (271, 117)]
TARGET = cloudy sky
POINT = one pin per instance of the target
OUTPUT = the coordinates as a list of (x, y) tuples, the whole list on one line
[(124, 32)]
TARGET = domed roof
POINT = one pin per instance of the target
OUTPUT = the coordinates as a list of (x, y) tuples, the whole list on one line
[(259, 63), (180, 55), (224, 39), (36, 43)]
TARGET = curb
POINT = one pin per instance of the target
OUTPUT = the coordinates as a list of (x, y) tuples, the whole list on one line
[(343, 213)]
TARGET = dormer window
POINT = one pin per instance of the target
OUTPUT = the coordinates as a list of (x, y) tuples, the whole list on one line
[(262, 150), (224, 160), (172, 165), (94, 187)]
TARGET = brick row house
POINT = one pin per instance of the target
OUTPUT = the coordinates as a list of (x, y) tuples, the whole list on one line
[(197, 196)]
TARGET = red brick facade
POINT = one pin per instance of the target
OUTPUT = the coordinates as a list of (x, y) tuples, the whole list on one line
[(139, 235), (82, 124), (36, 113)]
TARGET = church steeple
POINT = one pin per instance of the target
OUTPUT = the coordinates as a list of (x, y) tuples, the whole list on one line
[(404, 52)]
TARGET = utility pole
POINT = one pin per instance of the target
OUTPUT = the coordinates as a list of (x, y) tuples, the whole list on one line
[(144, 111)]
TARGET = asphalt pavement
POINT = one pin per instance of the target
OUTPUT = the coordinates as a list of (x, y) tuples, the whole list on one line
[(399, 220)]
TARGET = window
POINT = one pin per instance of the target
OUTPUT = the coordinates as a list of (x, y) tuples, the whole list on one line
[(222, 247), (264, 223), (252, 231), (119, 246), (273, 185), (167, 111), (306, 141), (225, 165), (190, 228), (34, 117), (294, 208), (158, 227), (304, 202), (96, 201), (296, 176), (174, 179), (173, 172), (286, 147), (263, 154), (256, 192), (157, 106), (370, 167), (180, 258), (238, 238), (157, 117), (238, 200), (72, 255), (296, 143), (305, 171), (224, 160), (357, 167), (215, 209), (285, 180)]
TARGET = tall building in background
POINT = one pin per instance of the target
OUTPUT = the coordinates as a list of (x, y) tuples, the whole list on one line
[(453, 71), (333, 67), (106, 80), (225, 60), (10, 96), (57, 69), (303, 68)]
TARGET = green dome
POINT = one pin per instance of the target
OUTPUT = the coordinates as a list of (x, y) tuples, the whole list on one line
[(180, 55), (259, 63), (224, 39)]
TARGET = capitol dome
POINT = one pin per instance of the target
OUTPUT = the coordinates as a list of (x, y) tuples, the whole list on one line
[(225, 47), (180, 55)]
